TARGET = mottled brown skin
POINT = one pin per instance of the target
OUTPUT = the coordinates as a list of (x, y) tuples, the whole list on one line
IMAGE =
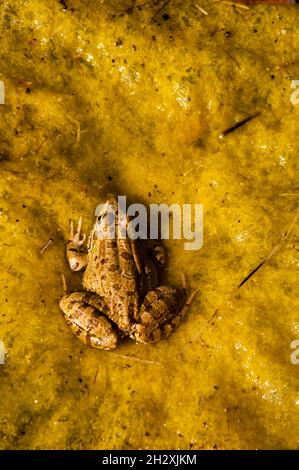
[(122, 297), (84, 313)]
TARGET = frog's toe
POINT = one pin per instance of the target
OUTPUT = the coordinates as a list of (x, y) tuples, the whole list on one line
[(76, 237)]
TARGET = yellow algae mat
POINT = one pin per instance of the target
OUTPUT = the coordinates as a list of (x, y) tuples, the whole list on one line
[(189, 102)]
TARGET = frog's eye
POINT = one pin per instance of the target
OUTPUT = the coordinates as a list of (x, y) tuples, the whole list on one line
[(101, 211), (101, 216), (105, 214)]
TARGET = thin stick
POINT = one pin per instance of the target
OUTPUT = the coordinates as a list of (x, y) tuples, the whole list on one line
[(46, 246), (232, 58), (251, 274), (201, 9), (137, 359), (238, 124), (64, 283), (284, 236), (96, 374), (77, 123), (41, 145), (184, 281), (288, 194)]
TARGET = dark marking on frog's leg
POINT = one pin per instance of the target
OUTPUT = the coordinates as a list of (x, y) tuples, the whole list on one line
[(85, 314), (161, 312)]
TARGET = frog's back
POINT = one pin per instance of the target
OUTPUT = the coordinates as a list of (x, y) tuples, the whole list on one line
[(112, 274)]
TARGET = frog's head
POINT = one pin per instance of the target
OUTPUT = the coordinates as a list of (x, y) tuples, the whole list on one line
[(106, 219)]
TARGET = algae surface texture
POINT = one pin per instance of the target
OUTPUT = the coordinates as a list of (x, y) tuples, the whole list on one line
[(106, 97)]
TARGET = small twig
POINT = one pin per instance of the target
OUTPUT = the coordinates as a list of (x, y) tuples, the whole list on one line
[(136, 359), (77, 123), (288, 194), (251, 274), (284, 236), (96, 374), (201, 9), (232, 58), (64, 283), (41, 145), (238, 124), (46, 246)]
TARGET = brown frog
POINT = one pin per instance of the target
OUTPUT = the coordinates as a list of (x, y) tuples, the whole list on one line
[(122, 296)]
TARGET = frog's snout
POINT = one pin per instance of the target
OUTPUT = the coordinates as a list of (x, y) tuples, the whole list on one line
[(74, 264)]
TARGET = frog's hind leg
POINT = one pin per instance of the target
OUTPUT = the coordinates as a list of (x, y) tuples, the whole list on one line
[(85, 314), (161, 312), (167, 328)]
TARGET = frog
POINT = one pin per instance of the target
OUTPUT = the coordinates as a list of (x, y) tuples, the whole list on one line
[(122, 296)]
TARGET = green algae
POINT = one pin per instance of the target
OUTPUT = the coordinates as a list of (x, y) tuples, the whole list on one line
[(99, 100)]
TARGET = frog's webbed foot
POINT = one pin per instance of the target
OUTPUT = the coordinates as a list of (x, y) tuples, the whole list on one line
[(162, 311), (85, 313), (76, 255)]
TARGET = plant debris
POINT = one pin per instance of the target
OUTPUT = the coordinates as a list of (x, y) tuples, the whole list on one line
[(238, 124), (46, 245)]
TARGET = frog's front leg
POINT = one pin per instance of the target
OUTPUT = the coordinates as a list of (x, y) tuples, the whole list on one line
[(76, 255), (160, 313), (85, 313)]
